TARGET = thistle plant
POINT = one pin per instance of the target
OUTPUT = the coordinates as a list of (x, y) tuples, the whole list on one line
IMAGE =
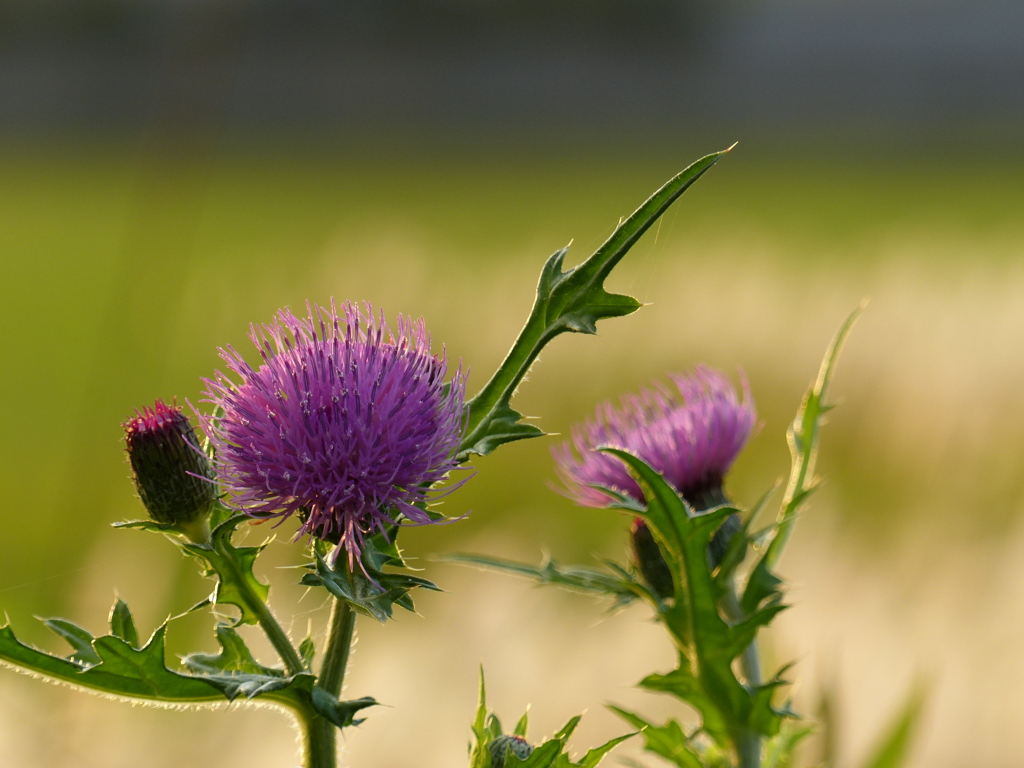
[(698, 562), (348, 429)]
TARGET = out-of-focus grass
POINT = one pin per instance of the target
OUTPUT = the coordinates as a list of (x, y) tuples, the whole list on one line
[(121, 273)]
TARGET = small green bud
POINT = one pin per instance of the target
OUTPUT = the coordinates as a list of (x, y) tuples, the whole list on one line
[(502, 745), (172, 473)]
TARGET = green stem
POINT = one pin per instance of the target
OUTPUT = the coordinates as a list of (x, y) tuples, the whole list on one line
[(339, 644), (320, 735), (267, 621), (748, 748), (320, 750), (748, 743)]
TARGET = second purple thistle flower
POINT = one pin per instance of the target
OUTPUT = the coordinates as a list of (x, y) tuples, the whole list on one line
[(346, 423), (691, 436)]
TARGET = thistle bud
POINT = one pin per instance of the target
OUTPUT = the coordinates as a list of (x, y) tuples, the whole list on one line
[(172, 473), (517, 745), (649, 560)]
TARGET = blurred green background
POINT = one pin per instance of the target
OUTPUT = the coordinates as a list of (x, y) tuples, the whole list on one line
[(134, 243)]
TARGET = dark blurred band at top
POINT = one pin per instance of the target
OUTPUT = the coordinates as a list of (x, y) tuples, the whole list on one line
[(536, 66)]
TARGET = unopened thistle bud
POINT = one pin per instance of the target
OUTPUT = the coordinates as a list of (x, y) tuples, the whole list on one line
[(649, 560), (517, 745), (172, 473)]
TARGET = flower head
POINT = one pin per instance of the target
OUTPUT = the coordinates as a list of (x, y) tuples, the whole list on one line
[(172, 474), (691, 436), (345, 423)]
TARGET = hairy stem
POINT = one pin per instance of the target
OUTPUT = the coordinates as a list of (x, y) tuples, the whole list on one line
[(339, 644), (320, 735), (319, 749)]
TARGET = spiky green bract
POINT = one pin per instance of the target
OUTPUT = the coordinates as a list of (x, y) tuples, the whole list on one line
[(551, 753), (117, 665), (566, 302), (369, 589), (763, 586)]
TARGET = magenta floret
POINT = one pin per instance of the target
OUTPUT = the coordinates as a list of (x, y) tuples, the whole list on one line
[(345, 424), (691, 436)]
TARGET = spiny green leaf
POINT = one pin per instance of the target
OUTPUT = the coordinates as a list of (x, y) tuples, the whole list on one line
[(122, 624), (570, 301), (121, 670), (621, 586), (803, 440), (669, 741), (709, 644), (232, 566), (597, 754), (682, 684), (763, 585), (341, 713), (234, 656), (79, 639), (133, 673)]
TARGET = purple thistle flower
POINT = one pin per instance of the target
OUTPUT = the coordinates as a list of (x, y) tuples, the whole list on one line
[(691, 436), (346, 423)]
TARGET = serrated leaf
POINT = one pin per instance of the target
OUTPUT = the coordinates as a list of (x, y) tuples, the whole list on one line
[(133, 673), (803, 437), (570, 301), (682, 684), (122, 624), (237, 585), (234, 656), (619, 585), (708, 642), (669, 740), (763, 585), (121, 670), (78, 638), (597, 754)]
